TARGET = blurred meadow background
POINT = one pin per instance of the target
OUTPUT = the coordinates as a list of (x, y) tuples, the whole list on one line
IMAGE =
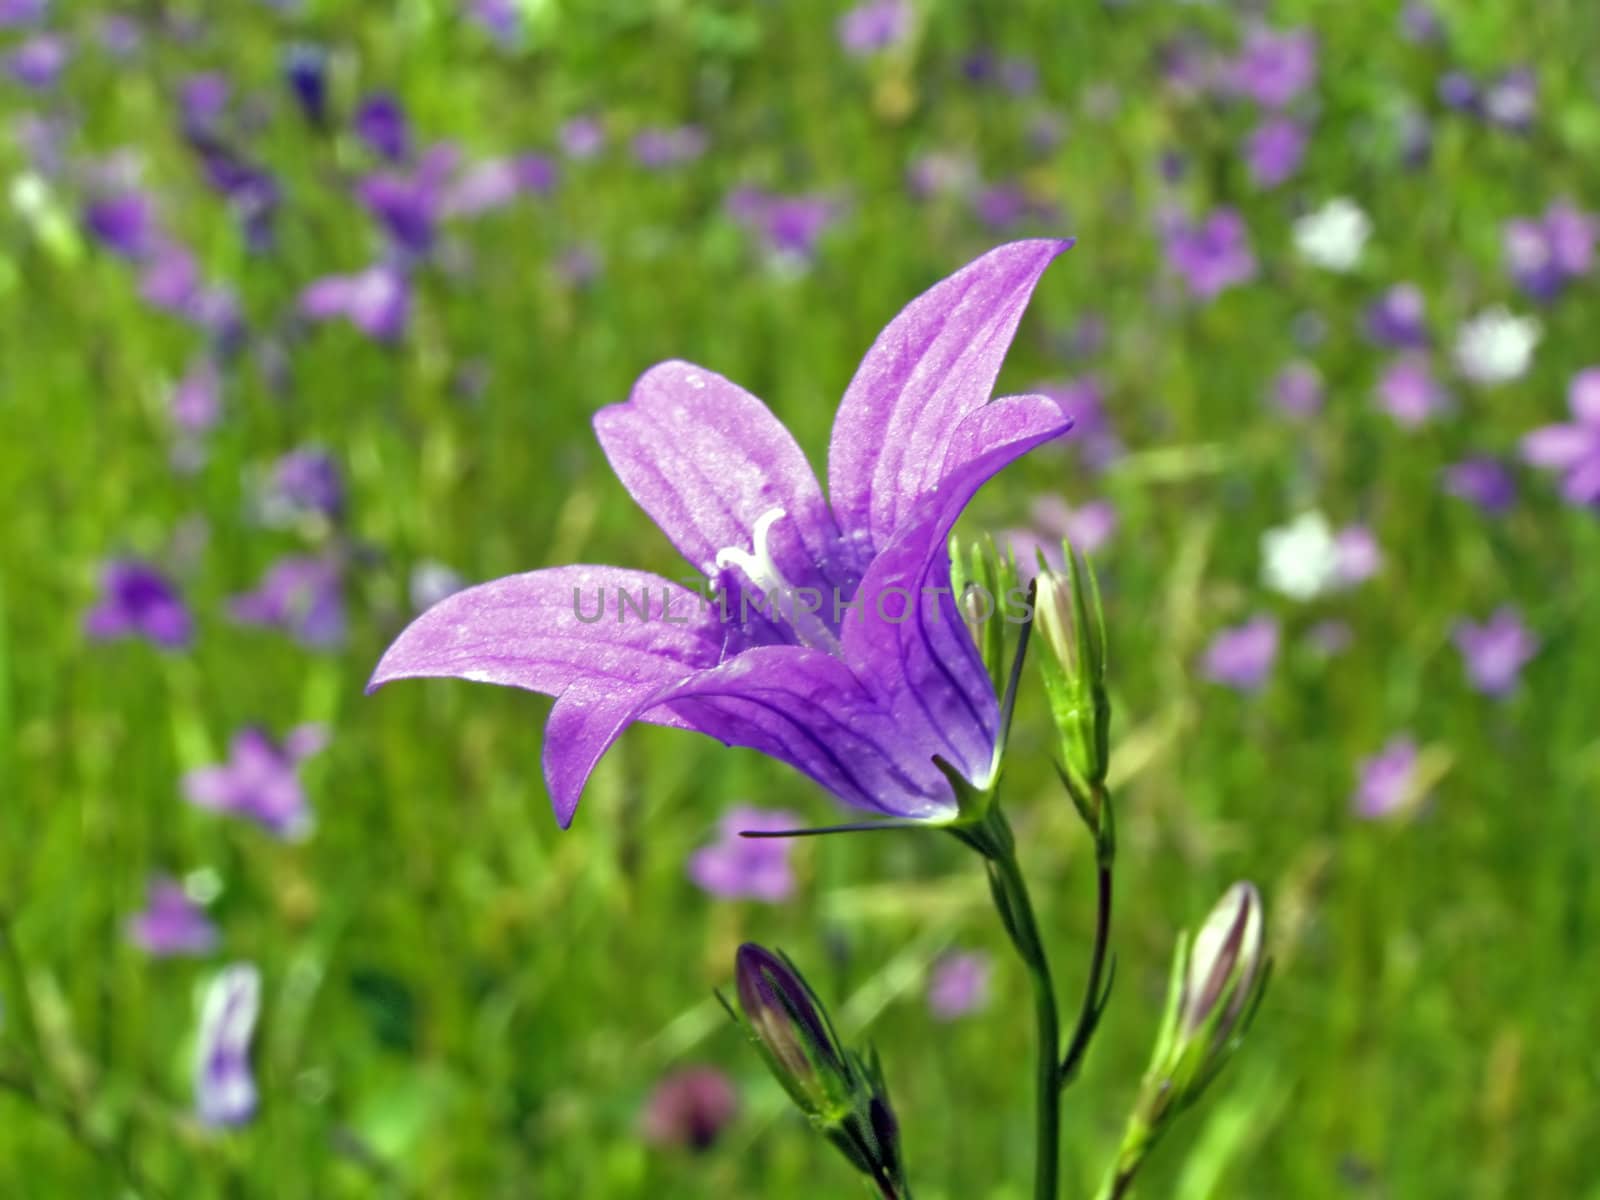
[(304, 312)]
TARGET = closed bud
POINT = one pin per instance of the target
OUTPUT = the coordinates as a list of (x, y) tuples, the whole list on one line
[(842, 1092), (1224, 965), (1072, 628)]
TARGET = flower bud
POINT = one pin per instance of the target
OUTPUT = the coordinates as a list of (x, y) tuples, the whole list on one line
[(1224, 964), (1072, 628), (842, 1092), (984, 580)]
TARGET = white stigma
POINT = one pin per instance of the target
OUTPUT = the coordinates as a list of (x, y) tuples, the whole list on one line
[(758, 568), (780, 597)]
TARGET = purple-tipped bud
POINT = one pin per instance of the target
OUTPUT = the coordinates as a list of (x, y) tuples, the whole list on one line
[(1224, 964), (842, 1092)]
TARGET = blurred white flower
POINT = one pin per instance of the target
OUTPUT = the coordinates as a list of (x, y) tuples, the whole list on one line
[(1300, 560), (1496, 346), (1334, 235)]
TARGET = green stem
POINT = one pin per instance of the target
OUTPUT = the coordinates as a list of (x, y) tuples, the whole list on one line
[(1089, 1014), (1016, 913)]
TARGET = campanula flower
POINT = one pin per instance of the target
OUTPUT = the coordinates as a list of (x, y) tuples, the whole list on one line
[(1297, 390), (1399, 318), (381, 123), (689, 1108), (1573, 448), (1241, 657), (1210, 256), (831, 641), (1495, 652), (1408, 391), (1545, 253), (224, 1086), (377, 301), (1387, 781), (139, 601), (1273, 67), (1274, 150), (874, 26), (1485, 481), (959, 985), (746, 868), (261, 780), (171, 923), (302, 595)]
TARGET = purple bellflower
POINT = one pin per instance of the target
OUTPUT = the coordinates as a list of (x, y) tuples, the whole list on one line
[(1573, 448), (377, 301), (139, 601), (745, 868), (261, 780), (171, 924), (689, 1109), (303, 595), (1298, 391), (1387, 781), (1496, 651), (224, 1087), (1485, 481), (959, 985), (381, 123), (1210, 256), (1399, 318), (832, 641), (1274, 150), (874, 26), (306, 482), (1241, 657), (38, 62), (1272, 68), (1546, 253)]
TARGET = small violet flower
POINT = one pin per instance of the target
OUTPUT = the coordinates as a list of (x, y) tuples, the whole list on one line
[(832, 642), (1273, 67), (1408, 391), (741, 868), (302, 595), (139, 601), (689, 1109), (381, 123), (1399, 319), (376, 301), (306, 482), (1211, 256), (1546, 253), (1573, 448), (874, 26), (1297, 390), (261, 780), (959, 985), (171, 924), (789, 227), (1387, 780), (1485, 481), (1242, 657), (1274, 151), (1495, 652), (224, 1087)]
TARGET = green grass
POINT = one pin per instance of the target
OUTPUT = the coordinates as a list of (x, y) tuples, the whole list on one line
[(460, 999)]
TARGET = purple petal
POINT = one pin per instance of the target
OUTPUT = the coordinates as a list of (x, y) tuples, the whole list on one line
[(544, 630), (906, 634), (1560, 447), (808, 709), (707, 460), (932, 366)]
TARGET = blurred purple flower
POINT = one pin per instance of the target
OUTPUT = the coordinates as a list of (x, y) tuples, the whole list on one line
[(203, 102), (1459, 91), (1297, 390), (1358, 555), (22, 12), (306, 481), (1511, 100), (39, 61), (1093, 439), (305, 69), (582, 137), (376, 301), (689, 1109), (1002, 206), (788, 226), (407, 207), (124, 224), (502, 19), (1272, 68), (579, 265), (120, 35), (136, 600), (741, 868), (1399, 318), (261, 780), (874, 26), (1330, 636), (381, 123), (659, 149), (1241, 657), (224, 1089), (1420, 24), (1210, 256), (1546, 253), (1408, 391), (1088, 528), (171, 924), (1485, 481), (196, 403), (1274, 150), (959, 984), (1573, 448), (1387, 779), (1496, 651), (301, 595)]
